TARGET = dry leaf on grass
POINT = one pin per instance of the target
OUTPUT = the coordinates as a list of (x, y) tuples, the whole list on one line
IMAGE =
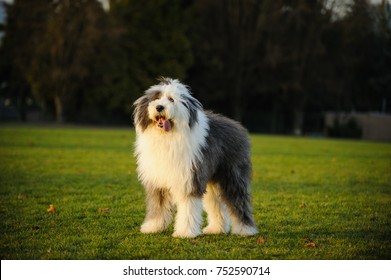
[(21, 196), (261, 240), (310, 245), (104, 210), (51, 208)]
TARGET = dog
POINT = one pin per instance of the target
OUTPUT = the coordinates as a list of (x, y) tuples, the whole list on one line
[(194, 160)]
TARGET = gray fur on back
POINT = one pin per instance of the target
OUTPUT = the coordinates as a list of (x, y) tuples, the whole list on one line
[(226, 161)]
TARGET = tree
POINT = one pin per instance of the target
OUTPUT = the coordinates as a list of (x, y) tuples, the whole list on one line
[(26, 21), (294, 55), (66, 49), (264, 51), (154, 42), (225, 49), (55, 46), (381, 79)]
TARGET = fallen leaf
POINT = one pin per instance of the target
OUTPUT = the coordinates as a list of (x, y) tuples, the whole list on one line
[(261, 240), (104, 210), (310, 245), (21, 196), (51, 208)]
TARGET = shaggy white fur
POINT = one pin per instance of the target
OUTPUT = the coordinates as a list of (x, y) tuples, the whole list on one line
[(171, 143)]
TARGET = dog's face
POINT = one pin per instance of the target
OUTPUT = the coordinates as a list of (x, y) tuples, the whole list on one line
[(166, 107)]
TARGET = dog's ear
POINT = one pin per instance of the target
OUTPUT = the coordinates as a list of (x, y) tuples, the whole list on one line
[(140, 113), (193, 105)]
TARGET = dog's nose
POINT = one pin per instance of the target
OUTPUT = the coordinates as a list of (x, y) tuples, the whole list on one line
[(159, 108)]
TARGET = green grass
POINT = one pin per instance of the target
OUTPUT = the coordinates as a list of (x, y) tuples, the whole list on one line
[(336, 194)]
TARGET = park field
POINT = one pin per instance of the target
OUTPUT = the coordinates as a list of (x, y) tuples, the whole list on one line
[(312, 199)]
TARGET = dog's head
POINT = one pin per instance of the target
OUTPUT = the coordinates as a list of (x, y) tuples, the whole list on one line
[(166, 106)]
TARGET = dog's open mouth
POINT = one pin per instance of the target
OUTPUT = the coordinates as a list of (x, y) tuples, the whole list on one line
[(163, 123)]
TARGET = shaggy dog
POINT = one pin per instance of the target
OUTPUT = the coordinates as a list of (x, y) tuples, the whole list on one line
[(190, 158)]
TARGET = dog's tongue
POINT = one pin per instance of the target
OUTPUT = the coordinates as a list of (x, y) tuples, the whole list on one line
[(167, 125), (163, 123)]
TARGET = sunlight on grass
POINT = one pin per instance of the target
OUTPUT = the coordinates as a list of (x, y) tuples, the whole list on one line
[(335, 194)]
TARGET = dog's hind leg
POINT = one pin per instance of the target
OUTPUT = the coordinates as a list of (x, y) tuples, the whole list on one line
[(241, 216), (159, 211), (215, 207), (241, 228), (236, 193)]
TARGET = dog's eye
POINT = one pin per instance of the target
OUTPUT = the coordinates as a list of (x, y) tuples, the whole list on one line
[(171, 99)]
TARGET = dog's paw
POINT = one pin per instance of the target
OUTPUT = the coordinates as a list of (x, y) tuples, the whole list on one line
[(151, 226), (185, 234), (244, 230), (212, 229)]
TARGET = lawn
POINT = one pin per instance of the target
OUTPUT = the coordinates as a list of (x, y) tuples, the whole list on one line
[(312, 198)]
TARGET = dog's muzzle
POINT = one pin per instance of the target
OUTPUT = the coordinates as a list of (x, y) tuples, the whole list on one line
[(162, 122), (159, 108)]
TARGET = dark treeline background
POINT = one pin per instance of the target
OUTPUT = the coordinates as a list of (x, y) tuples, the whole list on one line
[(275, 65)]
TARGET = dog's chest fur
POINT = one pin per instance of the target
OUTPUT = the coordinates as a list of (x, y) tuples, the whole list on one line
[(166, 160)]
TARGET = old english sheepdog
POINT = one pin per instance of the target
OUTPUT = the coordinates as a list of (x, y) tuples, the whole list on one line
[(191, 159)]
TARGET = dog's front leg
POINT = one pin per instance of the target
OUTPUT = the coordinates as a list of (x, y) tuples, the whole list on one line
[(189, 216), (159, 210)]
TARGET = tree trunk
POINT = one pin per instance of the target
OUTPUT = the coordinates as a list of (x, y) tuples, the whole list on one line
[(298, 117), (22, 104), (58, 108), (237, 105)]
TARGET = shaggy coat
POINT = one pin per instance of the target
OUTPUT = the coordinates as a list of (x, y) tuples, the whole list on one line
[(191, 159)]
